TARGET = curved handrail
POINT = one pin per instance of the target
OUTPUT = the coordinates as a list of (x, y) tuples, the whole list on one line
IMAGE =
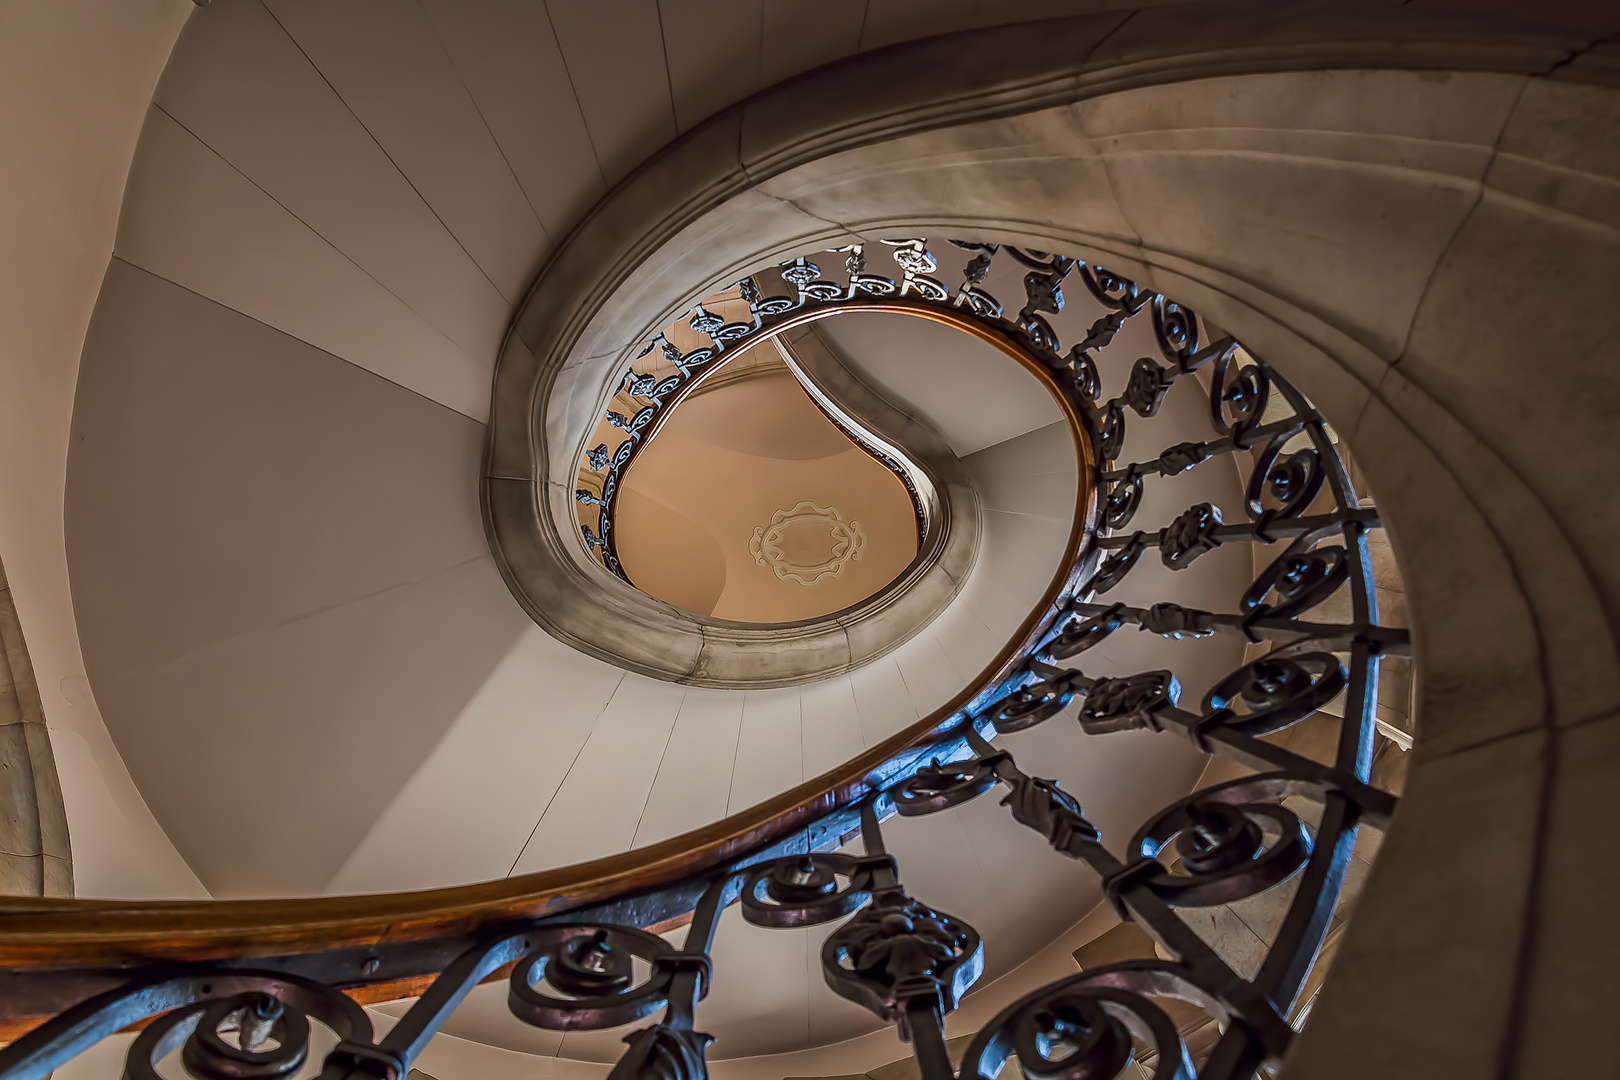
[(1015, 69), (107, 933), (900, 959), (636, 244), (46, 932), (743, 655)]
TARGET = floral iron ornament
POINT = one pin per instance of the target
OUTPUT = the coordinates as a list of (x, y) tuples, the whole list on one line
[(774, 545)]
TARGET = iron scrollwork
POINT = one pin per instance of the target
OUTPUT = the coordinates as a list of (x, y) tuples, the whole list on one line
[(901, 959)]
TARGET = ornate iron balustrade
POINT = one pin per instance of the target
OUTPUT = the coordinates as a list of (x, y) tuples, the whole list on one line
[(668, 372), (904, 961)]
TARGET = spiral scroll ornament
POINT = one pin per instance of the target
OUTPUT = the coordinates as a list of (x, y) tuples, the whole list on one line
[(804, 890), (1230, 850), (261, 1033), (590, 974), (1081, 1028)]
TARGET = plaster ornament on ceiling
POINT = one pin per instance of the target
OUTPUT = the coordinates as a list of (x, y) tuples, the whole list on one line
[(807, 543)]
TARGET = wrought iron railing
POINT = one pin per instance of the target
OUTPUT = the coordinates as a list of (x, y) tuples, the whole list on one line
[(243, 1013)]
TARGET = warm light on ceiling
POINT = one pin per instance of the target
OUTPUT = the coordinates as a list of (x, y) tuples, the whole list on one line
[(751, 505)]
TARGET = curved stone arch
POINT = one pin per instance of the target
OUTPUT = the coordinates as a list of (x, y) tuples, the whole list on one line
[(1512, 598), (567, 592)]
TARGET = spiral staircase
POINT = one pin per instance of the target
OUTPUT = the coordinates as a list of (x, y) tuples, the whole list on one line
[(335, 704)]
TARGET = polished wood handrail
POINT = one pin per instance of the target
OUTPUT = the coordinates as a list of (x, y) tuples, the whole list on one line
[(1050, 68), (52, 933)]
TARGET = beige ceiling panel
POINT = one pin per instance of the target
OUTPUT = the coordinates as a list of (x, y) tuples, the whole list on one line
[(225, 478), (831, 729), (599, 805), (241, 85), (192, 219), (713, 48), (1054, 891), (694, 779), (762, 990), (891, 21), (469, 809), (770, 751), (388, 65), (1017, 558), (1047, 496), (749, 504), (507, 55), (277, 564), (484, 1017), (969, 643), (796, 36), (1041, 452), (615, 55), (881, 701), (315, 722), (930, 678)]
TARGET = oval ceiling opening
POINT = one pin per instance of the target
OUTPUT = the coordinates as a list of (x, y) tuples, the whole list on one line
[(749, 504)]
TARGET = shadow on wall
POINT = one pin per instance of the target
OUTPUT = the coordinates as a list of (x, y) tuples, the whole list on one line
[(280, 576)]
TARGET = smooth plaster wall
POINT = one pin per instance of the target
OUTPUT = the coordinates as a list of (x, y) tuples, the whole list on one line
[(926, 368), (284, 591)]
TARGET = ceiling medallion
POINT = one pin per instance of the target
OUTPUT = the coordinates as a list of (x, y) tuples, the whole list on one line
[(807, 543)]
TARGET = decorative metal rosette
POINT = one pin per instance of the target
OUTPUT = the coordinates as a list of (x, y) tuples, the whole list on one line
[(1128, 703), (898, 950)]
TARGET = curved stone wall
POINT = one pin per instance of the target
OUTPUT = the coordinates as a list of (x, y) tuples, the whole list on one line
[(1408, 247), (534, 536)]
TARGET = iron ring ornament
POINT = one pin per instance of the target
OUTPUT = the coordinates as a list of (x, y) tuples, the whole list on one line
[(900, 958), (1230, 851), (592, 971), (807, 890), (271, 1025), (1086, 1027), (939, 787)]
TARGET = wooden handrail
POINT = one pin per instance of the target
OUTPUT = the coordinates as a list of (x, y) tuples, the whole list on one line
[(40, 934)]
